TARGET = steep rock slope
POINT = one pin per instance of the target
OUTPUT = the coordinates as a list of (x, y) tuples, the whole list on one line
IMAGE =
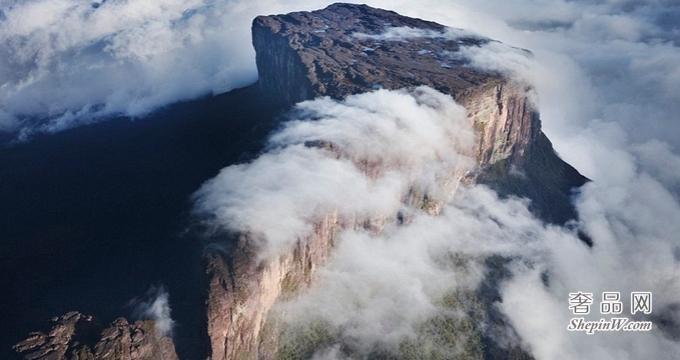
[(348, 49)]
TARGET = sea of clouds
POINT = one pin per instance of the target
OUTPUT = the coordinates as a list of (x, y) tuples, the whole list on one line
[(607, 75)]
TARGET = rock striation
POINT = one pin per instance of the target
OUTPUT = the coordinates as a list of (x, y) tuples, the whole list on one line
[(242, 289), (76, 336)]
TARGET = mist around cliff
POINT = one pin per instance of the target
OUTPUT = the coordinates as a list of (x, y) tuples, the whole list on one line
[(607, 84), (378, 291), (609, 111), (359, 158), (155, 305)]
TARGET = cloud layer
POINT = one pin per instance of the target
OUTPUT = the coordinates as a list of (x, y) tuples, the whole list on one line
[(359, 157), (64, 63)]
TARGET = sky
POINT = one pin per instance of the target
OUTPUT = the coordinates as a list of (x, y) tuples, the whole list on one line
[(607, 78)]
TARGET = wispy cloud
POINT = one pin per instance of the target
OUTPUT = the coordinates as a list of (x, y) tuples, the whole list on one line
[(155, 305), (358, 157)]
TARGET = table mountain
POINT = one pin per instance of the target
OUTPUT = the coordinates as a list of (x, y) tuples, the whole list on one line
[(348, 49), (343, 50)]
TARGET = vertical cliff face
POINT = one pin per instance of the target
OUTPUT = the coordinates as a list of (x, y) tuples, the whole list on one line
[(507, 124), (348, 49), (76, 336), (243, 288), (514, 156)]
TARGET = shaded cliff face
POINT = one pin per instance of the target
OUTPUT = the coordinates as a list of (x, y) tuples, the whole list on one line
[(350, 49), (76, 336)]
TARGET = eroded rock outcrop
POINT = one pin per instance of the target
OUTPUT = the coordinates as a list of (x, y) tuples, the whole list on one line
[(346, 49), (77, 337)]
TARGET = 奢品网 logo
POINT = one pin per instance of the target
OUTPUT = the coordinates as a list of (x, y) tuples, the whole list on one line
[(611, 303)]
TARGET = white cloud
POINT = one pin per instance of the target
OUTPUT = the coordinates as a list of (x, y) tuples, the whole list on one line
[(660, 161), (607, 98), (634, 250), (67, 57), (155, 306), (65, 62), (405, 33), (382, 144), (378, 289)]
